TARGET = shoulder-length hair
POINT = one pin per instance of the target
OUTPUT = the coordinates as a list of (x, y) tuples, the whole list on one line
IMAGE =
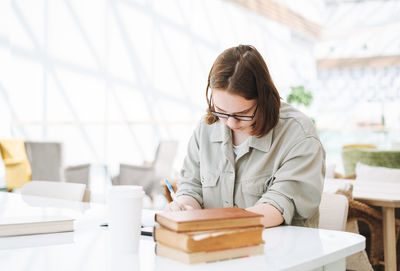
[(242, 71)]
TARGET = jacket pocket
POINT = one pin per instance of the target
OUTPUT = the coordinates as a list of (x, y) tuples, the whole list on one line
[(211, 190), (256, 186), (209, 179)]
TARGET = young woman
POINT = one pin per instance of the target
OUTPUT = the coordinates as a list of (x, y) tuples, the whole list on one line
[(251, 150)]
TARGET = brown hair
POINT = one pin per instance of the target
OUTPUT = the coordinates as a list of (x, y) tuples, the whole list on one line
[(242, 71)]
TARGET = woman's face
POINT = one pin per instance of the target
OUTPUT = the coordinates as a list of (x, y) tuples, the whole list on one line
[(225, 102)]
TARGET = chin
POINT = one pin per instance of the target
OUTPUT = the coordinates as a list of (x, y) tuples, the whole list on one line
[(238, 129)]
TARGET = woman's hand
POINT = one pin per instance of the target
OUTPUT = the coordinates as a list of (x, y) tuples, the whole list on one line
[(182, 203), (177, 206)]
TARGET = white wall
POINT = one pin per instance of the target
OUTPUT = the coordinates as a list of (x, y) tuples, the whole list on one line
[(77, 71)]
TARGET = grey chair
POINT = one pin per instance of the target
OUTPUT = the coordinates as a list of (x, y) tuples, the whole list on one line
[(149, 176), (46, 159), (79, 174), (47, 163)]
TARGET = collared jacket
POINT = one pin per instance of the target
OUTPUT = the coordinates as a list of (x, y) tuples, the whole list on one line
[(284, 168)]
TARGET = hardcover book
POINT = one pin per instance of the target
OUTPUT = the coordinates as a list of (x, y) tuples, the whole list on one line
[(209, 240), (13, 226), (208, 219), (208, 256)]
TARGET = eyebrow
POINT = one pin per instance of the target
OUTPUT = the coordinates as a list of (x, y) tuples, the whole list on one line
[(235, 113)]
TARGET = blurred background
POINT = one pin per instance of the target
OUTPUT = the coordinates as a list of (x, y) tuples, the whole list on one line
[(111, 79)]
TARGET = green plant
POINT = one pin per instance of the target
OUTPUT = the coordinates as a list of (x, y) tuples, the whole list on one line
[(300, 96)]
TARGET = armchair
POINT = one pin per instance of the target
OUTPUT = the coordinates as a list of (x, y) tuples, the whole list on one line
[(79, 174), (149, 176), (371, 217), (17, 168), (46, 160), (371, 157)]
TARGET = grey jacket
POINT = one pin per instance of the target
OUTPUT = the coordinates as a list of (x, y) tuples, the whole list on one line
[(284, 168)]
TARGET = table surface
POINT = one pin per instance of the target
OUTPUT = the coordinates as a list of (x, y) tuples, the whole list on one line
[(88, 247), (385, 194)]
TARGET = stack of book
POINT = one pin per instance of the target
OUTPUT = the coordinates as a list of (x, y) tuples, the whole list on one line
[(208, 235)]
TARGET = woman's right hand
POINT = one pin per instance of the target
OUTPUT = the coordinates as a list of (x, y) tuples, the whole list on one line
[(177, 206)]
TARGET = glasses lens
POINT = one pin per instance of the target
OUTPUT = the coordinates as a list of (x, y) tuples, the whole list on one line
[(245, 118), (225, 116), (219, 115)]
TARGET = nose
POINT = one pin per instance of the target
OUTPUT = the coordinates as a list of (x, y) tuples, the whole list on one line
[(232, 122)]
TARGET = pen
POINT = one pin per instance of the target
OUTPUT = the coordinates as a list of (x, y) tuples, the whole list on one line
[(148, 231), (171, 191)]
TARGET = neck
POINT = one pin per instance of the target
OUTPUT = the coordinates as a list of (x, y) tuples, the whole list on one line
[(239, 137)]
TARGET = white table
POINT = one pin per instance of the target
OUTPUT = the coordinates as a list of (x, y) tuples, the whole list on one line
[(382, 194), (86, 214), (88, 248)]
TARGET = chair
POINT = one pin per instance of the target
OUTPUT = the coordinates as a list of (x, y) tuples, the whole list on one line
[(358, 261), (46, 160), (333, 211), (59, 190), (79, 174), (149, 176), (334, 215), (17, 168), (373, 219), (370, 216), (371, 157)]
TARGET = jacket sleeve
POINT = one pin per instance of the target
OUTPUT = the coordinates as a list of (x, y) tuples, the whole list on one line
[(189, 183), (296, 187)]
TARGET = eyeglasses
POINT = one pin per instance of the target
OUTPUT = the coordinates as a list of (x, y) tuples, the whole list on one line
[(225, 116)]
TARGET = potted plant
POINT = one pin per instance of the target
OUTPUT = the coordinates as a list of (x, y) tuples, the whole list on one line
[(301, 97)]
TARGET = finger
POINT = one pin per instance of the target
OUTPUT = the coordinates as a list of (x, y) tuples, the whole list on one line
[(168, 208), (174, 206), (171, 207), (188, 207), (181, 206)]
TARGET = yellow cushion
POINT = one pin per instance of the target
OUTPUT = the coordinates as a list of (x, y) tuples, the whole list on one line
[(17, 167)]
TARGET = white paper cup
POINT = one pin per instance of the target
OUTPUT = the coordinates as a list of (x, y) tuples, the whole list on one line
[(124, 204), (123, 261)]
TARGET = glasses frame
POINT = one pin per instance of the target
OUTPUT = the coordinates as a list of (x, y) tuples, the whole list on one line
[(225, 115)]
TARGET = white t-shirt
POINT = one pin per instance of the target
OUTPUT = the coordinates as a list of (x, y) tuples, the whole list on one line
[(238, 149)]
